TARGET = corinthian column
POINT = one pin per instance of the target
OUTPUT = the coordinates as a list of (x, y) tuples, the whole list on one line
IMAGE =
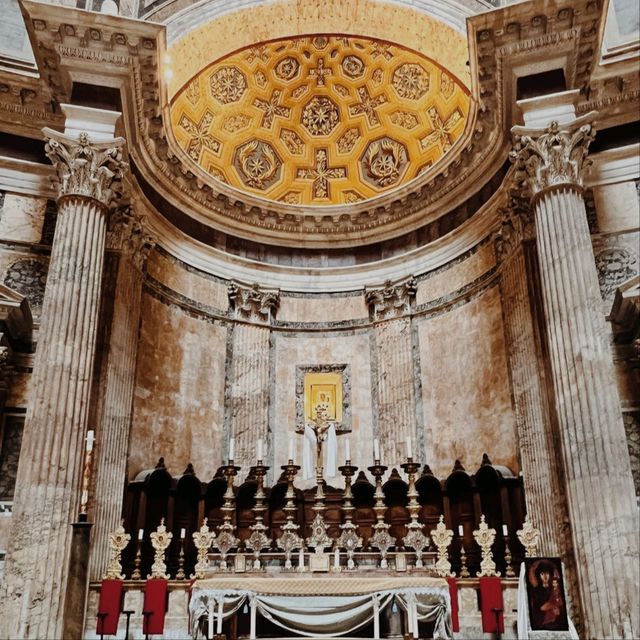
[(51, 459), (599, 486)]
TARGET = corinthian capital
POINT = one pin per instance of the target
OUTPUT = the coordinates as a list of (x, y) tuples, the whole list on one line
[(253, 303), (90, 169), (553, 156), (392, 300)]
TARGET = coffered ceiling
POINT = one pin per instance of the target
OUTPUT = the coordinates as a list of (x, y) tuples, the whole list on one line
[(319, 120)]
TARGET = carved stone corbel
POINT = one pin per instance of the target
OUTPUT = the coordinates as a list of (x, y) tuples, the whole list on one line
[(393, 300), (127, 233), (253, 303)]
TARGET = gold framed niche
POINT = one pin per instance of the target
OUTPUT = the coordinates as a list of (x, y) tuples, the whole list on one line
[(323, 389)]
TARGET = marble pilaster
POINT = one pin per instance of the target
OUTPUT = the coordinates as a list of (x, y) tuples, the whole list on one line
[(49, 472), (599, 486), (389, 308), (247, 393), (113, 421)]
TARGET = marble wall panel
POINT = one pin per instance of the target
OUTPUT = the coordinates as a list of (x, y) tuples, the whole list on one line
[(306, 349), (21, 218), (200, 288), (179, 397), (456, 276), (465, 386), (617, 207), (322, 308), (19, 389)]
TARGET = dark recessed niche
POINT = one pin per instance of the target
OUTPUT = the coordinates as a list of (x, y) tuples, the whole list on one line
[(22, 148), (91, 95), (541, 84), (613, 137)]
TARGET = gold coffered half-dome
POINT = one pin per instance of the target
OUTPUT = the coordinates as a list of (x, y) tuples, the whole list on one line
[(322, 120)]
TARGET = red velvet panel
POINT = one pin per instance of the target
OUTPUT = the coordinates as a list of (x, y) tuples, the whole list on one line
[(453, 593), (155, 601), (110, 603), (490, 599)]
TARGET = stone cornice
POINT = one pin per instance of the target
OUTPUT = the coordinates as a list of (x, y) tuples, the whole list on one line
[(71, 43)]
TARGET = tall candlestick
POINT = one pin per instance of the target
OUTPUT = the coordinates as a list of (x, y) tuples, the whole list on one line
[(290, 448), (259, 450), (90, 440), (376, 450), (347, 449), (232, 448), (409, 450)]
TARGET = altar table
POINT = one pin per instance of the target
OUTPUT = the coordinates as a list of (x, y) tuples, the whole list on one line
[(319, 606)]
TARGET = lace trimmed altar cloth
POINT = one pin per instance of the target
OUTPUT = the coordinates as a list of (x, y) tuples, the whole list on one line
[(318, 607)]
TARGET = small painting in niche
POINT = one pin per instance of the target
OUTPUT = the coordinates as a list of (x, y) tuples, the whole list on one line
[(546, 596), (323, 390)]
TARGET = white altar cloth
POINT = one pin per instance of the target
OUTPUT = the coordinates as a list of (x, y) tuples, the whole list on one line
[(321, 607)]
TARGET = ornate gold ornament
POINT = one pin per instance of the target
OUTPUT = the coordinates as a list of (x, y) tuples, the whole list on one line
[(554, 156), (485, 538), (320, 72), (203, 540), (529, 537), (368, 106), (442, 538), (228, 84), (90, 169), (383, 161), (353, 66), (160, 540), (320, 116), (410, 81), (271, 109), (287, 68), (348, 141), (200, 135), (321, 173), (404, 119), (292, 141), (118, 540), (236, 122), (442, 130), (258, 164)]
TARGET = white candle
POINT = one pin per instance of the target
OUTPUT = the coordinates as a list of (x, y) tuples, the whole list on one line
[(336, 558), (259, 449), (301, 558), (232, 448), (409, 451), (460, 531), (183, 534), (291, 449), (347, 449), (505, 531), (140, 534), (376, 450), (90, 440)]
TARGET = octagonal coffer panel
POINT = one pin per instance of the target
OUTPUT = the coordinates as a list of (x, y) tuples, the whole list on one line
[(323, 119)]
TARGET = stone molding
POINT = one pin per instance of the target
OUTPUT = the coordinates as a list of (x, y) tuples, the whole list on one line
[(87, 169), (552, 157), (393, 300), (253, 303)]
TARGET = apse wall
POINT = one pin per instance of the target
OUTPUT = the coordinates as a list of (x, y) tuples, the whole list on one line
[(437, 374)]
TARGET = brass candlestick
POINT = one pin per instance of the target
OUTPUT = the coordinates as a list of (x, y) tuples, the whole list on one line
[(289, 541), (442, 538), (485, 537), (349, 538), (137, 561), (415, 537), (180, 575), (226, 539), (464, 570), (381, 539), (202, 540), (258, 539), (509, 572)]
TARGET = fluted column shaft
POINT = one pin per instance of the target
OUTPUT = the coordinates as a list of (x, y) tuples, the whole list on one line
[(52, 454), (114, 416), (600, 492)]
